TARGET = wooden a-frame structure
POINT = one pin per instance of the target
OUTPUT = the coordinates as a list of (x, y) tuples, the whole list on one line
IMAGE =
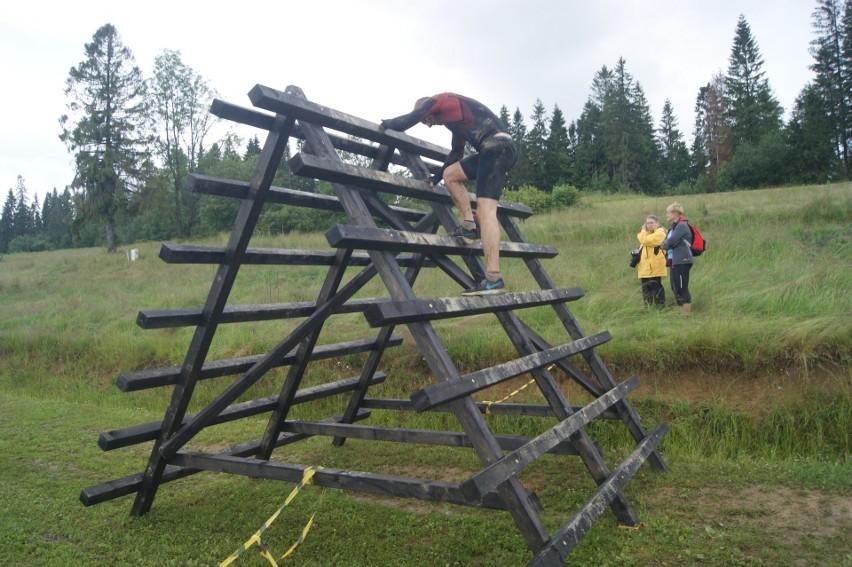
[(396, 255)]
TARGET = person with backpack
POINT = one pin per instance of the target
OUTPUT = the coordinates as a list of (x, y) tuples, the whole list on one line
[(652, 262), (678, 245)]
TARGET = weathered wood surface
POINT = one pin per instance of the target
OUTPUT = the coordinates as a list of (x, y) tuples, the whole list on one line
[(165, 318), (136, 434), (516, 409), (400, 312), (117, 488), (513, 463), (374, 238), (193, 254), (562, 542), (221, 187), (158, 377), (414, 436), (443, 392)]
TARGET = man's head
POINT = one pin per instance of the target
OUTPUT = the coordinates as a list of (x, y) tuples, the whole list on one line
[(427, 120)]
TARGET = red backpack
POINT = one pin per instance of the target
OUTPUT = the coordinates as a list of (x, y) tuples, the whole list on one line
[(699, 244)]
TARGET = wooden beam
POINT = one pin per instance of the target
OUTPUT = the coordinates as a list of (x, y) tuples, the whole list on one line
[(145, 379), (415, 436), (561, 544), (221, 187), (513, 463), (443, 392), (167, 318), (529, 410), (192, 254), (344, 173), (403, 312), (136, 434), (373, 238)]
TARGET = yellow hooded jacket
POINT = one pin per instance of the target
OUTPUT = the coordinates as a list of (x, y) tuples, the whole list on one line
[(651, 265)]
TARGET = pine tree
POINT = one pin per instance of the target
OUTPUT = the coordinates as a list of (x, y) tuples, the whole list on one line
[(535, 148), (557, 159), (104, 128), (674, 153), (7, 222), (810, 136), (754, 111), (832, 53), (24, 223)]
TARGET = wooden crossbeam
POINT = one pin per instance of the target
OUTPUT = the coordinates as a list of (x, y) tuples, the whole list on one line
[(374, 238), (136, 434), (166, 318), (123, 486), (193, 254), (492, 475), (220, 187), (516, 409), (338, 172), (415, 436), (561, 544), (145, 379), (402, 312), (443, 392)]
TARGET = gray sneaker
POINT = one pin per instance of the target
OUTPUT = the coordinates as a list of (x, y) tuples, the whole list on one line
[(467, 236), (486, 287)]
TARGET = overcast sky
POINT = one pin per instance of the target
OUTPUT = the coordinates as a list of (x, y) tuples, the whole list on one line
[(374, 58)]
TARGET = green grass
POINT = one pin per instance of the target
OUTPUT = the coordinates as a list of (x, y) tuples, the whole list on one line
[(755, 386)]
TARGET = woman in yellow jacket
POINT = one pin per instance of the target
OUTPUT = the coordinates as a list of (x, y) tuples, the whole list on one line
[(652, 262)]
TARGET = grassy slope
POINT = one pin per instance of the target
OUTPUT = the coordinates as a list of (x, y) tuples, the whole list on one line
[(771, 297)]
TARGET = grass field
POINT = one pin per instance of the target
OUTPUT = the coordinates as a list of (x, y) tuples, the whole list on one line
[(755, 386)]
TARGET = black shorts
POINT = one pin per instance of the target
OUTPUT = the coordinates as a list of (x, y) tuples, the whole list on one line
[(488, 167)]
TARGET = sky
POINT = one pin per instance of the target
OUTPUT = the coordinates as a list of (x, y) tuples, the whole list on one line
[(374, 58)]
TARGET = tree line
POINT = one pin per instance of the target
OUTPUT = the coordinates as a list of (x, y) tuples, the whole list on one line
[(134, 140)]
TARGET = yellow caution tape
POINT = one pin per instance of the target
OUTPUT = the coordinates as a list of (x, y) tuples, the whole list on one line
[(307, 476), (489, 404)]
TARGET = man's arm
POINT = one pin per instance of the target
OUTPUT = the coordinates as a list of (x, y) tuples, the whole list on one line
[(406, 121)]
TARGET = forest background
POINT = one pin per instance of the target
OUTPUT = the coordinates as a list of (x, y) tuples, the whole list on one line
[(134, 140)]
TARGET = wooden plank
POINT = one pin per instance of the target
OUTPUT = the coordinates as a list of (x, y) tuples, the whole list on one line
[(222, 187), (356, 481), (374, 238), (192, 254), (292, 104), (529, 410), (402, 312), (145, 379), (344, 173), (443, 392), (513, 463), (167, 318), (136, 434), (573, 531), (117, 488), (415, 436)]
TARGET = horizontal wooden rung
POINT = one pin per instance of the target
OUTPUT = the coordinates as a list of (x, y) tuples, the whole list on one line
[(443, 392), (567, 537), (166, 318), (513, 463), (418, 310), (221, 187), (529, 410), (155, 378), (371, 238), (339, 172), (136, 434), (191, 254)]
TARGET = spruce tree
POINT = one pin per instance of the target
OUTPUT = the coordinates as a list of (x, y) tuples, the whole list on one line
[(104, 128), (557, 158), (754, 111), (7, 222), (674, 160)]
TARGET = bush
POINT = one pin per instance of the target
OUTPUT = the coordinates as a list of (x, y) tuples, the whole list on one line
[(562, 197), (29, 243)]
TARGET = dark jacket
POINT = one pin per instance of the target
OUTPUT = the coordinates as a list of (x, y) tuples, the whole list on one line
[(679, 241)]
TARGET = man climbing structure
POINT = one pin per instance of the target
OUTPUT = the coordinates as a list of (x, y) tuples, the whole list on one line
[(470, 122)]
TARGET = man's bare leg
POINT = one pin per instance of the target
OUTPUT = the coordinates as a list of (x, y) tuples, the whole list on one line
[(486, 210), (454, 179)]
